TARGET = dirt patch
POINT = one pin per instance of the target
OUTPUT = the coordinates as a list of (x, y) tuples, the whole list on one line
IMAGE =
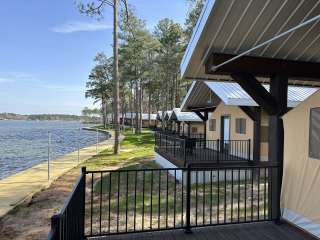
[(31, 219)]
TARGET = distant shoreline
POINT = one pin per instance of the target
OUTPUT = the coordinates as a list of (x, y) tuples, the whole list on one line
[(48, 117)]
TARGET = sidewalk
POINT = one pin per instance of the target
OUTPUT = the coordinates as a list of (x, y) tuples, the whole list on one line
[(14, 189)]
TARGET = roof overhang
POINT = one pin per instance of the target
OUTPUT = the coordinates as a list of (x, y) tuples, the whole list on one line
[(233, 27), (231, 94)]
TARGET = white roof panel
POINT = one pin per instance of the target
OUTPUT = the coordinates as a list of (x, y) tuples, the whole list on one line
[(232, 93)]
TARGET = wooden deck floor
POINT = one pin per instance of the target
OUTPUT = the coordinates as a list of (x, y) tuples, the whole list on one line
[(252, 231)]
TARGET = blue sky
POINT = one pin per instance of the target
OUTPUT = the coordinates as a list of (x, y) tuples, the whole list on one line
[(47, 50)]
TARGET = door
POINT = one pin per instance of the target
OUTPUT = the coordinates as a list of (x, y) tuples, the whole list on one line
[(225, 133)]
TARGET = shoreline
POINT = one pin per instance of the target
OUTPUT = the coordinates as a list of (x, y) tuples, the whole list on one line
[(18, 187)]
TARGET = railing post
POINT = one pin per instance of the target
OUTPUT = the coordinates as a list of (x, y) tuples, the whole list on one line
[(83, 202), (218, 150), (188, 203), (55, 227), (184, 152), (249, 149)]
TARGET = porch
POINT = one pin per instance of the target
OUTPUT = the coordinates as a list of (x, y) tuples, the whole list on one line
[(198, 151)]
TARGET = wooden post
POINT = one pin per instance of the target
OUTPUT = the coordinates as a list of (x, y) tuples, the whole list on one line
[(257, 136), (279, 90)]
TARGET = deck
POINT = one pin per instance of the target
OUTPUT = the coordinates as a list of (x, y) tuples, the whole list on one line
[(201, 156), (252, 231)]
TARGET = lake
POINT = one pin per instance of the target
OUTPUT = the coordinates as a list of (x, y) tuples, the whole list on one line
[(24, 144)]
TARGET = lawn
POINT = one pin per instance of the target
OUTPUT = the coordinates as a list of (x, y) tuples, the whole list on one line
[(134, 148)]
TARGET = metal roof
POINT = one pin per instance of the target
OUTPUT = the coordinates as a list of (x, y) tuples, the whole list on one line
[(177, 115), (145, 116), (231, 93), (233, 27)]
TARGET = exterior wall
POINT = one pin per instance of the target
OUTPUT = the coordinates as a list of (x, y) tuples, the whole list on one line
[(300, 196), (235, 112), (198, 125)]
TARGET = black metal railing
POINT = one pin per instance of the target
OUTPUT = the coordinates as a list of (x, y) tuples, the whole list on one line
[(180, 134), (140, 200), (186, 150), (69, 223)]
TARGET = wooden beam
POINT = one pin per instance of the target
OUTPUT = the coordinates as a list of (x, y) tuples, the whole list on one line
[(250, 112), (259, 94), (204, 117), (202, 109), (264, 67)]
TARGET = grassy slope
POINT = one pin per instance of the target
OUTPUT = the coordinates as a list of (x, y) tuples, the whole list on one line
[(133, 148)]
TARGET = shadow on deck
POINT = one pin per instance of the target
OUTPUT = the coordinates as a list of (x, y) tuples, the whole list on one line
[(251, 231)]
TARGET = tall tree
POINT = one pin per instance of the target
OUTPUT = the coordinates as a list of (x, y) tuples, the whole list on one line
[(95, 8), (99, 85), (195, 8)]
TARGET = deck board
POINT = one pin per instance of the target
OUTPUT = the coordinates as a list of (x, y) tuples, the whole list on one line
[(252, 231)]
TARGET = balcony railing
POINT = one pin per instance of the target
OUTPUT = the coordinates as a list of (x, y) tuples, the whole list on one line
[(128, 201), (184, 150)]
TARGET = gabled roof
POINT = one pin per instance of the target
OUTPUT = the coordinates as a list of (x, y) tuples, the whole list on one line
[(177, 115), (233, 27), (231, 93), (159, 116), (167, 115)]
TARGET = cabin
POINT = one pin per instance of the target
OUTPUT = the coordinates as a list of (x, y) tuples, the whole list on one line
[(145, 119), (234, 115), (228, 194), (187, 124)]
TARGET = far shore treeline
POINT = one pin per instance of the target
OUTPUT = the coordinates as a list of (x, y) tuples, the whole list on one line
[(48, 117)]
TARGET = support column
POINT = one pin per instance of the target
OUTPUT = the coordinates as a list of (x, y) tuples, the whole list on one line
[(189, 130), (279, 91), (257, 136), (205, 125), (179, 123)]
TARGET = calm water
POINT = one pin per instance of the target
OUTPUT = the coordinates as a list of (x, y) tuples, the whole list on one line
[(25, 143)]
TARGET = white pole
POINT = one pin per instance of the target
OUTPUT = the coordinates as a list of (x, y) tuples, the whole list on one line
[(79, 144), (49, 149), (97, 141), (214, 68)]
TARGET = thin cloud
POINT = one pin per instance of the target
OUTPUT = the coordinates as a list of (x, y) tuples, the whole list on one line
[(71, 27), (6, 77)]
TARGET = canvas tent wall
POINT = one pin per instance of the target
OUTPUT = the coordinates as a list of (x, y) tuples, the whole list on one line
[(301, 180)]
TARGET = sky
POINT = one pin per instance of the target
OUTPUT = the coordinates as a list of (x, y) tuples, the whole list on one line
[(47, 49)]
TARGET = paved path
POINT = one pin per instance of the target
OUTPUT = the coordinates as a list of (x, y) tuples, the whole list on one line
[(16, 188)]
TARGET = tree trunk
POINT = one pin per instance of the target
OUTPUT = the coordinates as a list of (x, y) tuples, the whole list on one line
[(116, 78), (136, 108), (131, 100), (140, 107), (104, 113), (149, 106)]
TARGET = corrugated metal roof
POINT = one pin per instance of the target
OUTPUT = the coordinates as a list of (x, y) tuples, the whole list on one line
[(177, 115), (232, 27), (233, 94)]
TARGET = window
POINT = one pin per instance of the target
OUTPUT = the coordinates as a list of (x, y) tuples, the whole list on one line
[(194, 130), (314, 133), (241, 125), (212, 125)]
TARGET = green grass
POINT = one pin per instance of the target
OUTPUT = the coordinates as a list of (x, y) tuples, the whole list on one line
[(134, 148)]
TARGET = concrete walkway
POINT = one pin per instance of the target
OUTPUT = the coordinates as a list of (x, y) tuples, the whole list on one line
[(16, 188)]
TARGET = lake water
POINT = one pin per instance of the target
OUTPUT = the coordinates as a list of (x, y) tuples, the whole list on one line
[(24, 144)]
